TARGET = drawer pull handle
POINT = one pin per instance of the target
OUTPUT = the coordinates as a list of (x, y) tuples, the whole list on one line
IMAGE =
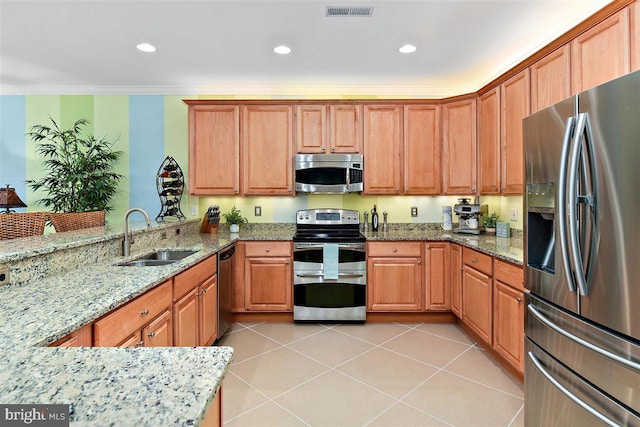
[(151, 334), (144, 312), (140, 344)]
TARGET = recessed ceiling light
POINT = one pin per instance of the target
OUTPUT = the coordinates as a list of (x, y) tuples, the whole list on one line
[(282, 50), (146, 47), (407, 48)]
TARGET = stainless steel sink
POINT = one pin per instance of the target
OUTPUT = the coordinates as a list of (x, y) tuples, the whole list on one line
[(157, 258)]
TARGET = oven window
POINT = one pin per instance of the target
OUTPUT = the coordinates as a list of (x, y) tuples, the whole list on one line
[(315, 256), (329, 295), (322, 176)]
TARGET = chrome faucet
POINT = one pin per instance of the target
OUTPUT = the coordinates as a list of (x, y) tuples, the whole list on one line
[(126, 245)]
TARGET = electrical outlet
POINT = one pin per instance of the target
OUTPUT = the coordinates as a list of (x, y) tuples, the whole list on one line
[(177, 231), (193, 210), (414, 211), (4, 277), (257, 210), (514, 214), (163, 235)]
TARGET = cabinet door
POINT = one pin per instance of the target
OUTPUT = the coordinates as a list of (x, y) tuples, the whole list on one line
[(551, 79), (459, 147), (422, 174), (456, 280), (267, 141), (489, 142), (133, 340), (208, 311), (602, 53), (185, 320), (508, 324), (214, 149), (268, 283), (382, 149), (345, 128), (79, 338), (311, 128), (476, 302), (394, 284), (634, 18), (437, 276), (159, 333), (515, 107)]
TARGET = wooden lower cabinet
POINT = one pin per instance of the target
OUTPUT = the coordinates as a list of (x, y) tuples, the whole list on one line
[(437, 276), (185, 320), (213, 417), (82, 337), (394, 276), (477, 291), (456, 279), (268, 276), (208, 311), (159, 332)]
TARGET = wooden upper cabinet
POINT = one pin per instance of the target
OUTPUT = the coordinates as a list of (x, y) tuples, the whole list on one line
[(551, 79), (515, 107), (214, 149), (267, 141), (489, 142), (601, 53), (345, 128), (311, 128), (459, 147), (422, 173), (634, 17), (382, 149)]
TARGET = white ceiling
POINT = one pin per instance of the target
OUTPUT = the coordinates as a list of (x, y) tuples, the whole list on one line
[(221, 47)]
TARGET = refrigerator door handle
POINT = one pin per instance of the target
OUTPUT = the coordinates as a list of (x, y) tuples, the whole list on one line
[(601, 351), (562, 202), (570, 395)]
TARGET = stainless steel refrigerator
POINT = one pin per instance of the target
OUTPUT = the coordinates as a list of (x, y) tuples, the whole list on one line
[(582, 259)]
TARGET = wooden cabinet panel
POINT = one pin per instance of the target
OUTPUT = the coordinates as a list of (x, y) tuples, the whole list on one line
[(311, 128), (459, 147), (551, 79), (192, 277), (634, 18), (382, 149), (489, 142), (476, 302), (185, 320), (394, 249), (515, 107), (214, 149), (394, 284), (510, 274), (267, 141), (268, 283), (478, 260), (437, 276), (134, 340), (601, 53), (346, 128), (422, 142), (208, 311), (508, 324), (456, 279), (82, 337), (271, 248), (159, 333)]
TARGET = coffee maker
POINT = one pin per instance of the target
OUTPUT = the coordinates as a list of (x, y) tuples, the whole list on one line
[(469, 217)]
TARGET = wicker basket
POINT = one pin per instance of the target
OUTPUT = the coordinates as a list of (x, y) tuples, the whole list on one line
[(76, 220), (16, 225)]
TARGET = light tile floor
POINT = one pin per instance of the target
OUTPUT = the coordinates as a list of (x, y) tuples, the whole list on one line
[(376, 374)]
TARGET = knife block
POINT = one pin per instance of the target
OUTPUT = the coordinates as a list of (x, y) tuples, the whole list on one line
[(206, 227)]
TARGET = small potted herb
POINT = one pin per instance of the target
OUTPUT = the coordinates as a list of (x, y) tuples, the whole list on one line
[(489, 223), (234, 219)]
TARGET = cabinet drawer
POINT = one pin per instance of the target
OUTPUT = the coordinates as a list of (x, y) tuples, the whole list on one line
[(116, 326), (189, 279), (510, 274), (477, 260), (394, 249), (268, 249)]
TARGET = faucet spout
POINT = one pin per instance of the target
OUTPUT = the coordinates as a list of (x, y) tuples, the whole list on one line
[(126, 245)]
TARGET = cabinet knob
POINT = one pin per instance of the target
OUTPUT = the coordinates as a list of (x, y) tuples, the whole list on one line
[(428, 246), (144, 312), (473, 188), (474, 260), (323, 149), (419, 262), (395, 249), (519, 299), (333, 149), (266, 250), (287, 262), (151, 334), (140, 344), (204, 291)]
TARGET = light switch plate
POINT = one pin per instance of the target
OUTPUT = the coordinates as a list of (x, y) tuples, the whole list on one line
[(257, 210), (514, 214), (414, 211), (193, 210)]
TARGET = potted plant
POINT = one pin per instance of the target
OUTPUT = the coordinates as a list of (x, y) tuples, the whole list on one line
[(489, 223), (78, 174), (234, 219)]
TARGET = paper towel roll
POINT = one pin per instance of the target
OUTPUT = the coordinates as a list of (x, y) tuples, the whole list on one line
[(446, 218)]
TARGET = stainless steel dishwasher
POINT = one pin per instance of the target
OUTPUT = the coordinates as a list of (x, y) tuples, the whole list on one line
[(225, 289)]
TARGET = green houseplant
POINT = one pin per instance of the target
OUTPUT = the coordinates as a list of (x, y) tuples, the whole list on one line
[(234, 219), (489, 222), (78, 168)]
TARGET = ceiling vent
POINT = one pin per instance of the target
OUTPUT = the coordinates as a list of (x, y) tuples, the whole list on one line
[(365, 11)]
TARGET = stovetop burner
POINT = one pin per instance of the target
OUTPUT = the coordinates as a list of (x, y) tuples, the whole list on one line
[(328, 225)]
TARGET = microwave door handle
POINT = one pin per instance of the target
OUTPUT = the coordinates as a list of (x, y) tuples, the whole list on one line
[(562, 202), (348, 177)]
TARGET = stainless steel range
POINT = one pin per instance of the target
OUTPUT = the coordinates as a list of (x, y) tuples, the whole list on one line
[(330, 267)]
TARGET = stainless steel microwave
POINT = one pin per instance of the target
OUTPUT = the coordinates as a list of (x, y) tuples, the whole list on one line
[(329, 173)]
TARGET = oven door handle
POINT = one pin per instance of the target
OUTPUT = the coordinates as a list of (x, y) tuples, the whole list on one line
[(321, 245), (345, 275)]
